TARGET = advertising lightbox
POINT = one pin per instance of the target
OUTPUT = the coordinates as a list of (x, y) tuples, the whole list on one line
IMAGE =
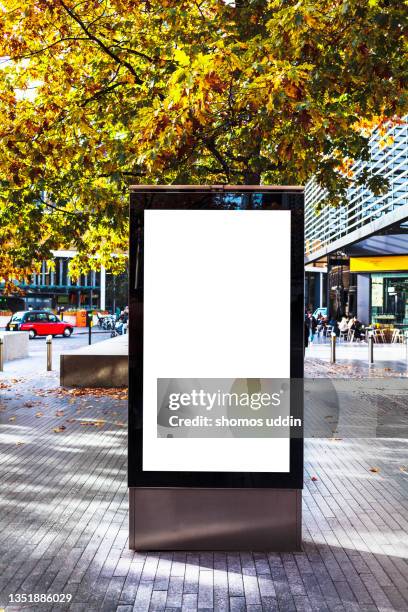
[(216, 343)]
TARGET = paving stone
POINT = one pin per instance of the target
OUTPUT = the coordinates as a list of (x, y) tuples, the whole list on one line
[(158, 601), (269, 604), (63, 504), (190, 602), (143, 596), (237, 604), (205, 590), (192, 574), (175, 592)]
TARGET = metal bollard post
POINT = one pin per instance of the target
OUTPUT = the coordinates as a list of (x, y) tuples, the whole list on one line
[(49, 353), (1, 354), (370, 348), (333, 348)]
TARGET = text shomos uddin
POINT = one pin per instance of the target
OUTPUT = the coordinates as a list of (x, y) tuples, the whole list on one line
[(204, 421)]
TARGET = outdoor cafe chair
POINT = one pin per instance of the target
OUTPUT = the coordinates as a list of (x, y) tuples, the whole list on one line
[(344, 335), (397, 336), (329, 330), (381, 335)]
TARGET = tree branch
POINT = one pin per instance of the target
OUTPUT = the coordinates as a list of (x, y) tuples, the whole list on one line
[(102, 92), (57, 42), (210, 145), (66, 212), (101, 44)]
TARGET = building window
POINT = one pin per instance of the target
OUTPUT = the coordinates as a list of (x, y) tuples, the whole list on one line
[(389, 298), (61, 270)]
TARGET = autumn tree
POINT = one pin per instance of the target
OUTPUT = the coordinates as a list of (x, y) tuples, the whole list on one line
[(95, 95)]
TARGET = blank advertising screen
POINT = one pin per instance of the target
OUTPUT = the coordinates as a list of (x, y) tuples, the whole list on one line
[(216, 340), (216, 306)]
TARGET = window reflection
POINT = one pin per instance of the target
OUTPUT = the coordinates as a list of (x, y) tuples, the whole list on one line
[(389, 298)]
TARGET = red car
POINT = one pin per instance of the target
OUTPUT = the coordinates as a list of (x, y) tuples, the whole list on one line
[(39, 323)]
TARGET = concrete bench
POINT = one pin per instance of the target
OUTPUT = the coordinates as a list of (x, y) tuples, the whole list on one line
[(15, 345), (104, 364)]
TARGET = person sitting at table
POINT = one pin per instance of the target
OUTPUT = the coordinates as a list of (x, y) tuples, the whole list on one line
[(343, 325), (334, 325), (356, 328)]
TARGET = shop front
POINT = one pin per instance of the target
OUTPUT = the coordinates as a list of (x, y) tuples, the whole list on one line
[(388, 288), (389, 298)]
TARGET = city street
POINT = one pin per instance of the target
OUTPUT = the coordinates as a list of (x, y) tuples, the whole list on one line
[(225, 180), (352, 360), (36, 363), (64, 509)]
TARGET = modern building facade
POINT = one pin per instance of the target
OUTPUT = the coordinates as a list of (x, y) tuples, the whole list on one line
[(54, 288), (364, 244)]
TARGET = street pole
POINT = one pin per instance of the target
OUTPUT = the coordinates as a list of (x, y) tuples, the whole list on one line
[(370, 348), (89, 317), (406, 344), (49, 353), (1, 354), (333, 348)]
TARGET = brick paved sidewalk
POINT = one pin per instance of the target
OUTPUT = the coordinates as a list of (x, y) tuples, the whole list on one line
[(64, 520)]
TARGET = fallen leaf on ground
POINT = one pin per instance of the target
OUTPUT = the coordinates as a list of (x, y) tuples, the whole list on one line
[(374, 469), (59, 413), (19, 443), (336, 439), (60, 428), (115, 392), (13, 418), (314, 478), (70, 420), (120, 424), (39, 414), (95, 423), (404, 468), (28, 404)]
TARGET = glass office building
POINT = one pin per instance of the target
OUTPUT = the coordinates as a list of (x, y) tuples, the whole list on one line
[(364, 244), (53, 287)]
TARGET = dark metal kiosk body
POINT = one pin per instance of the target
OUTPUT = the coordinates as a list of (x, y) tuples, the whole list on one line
[(216, 367)]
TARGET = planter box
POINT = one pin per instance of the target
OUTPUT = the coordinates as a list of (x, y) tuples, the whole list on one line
[(15, 345)]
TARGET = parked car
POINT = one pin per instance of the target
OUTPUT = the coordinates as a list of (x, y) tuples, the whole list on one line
[(39, 323)]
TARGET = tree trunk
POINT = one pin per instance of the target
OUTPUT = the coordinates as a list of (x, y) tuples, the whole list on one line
[(252, 178)]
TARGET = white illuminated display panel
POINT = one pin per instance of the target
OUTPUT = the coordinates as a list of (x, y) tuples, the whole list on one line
[(217, 289)]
